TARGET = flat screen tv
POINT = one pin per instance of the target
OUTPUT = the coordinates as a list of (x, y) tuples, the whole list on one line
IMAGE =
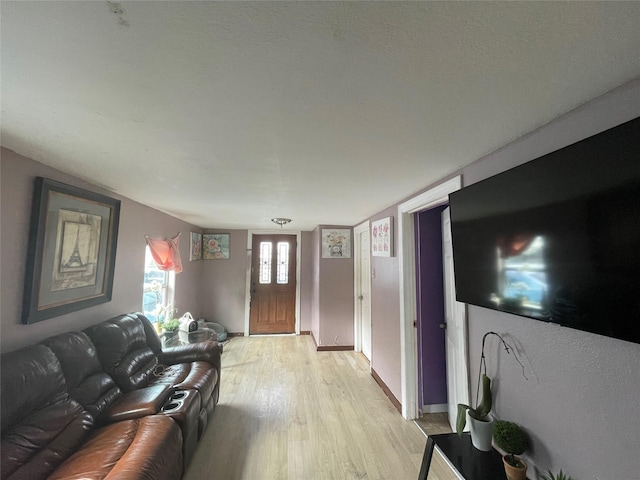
[(557, 239)]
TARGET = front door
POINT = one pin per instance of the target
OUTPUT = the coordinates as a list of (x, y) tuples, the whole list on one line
[(273, 284)]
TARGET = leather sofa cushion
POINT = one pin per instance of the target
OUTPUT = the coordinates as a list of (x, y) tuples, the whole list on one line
[(41, 425), (86, 381), (123, 351), (138, 403), (33, 448), (32, 378), (143, 448), (208, 351)]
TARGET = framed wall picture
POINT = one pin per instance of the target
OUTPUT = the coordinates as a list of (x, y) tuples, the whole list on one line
[(71, 252), (195, 251), (215, 246), (336, 243), (382, 237)]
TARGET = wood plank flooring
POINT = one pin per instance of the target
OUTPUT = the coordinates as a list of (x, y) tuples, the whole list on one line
[(287, 412)]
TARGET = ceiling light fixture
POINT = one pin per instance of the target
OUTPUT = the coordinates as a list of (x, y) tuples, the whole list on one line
[(281, 221)]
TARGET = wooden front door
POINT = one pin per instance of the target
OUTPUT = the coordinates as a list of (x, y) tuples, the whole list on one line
[(273, 284)]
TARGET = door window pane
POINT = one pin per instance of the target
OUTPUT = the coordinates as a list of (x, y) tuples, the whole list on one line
[(265, 262), (283, 263)]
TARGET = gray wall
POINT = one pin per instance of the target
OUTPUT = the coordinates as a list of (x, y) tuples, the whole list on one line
[(223, 286), (385, 313), (136, 221), (332, 293), (581, 403)]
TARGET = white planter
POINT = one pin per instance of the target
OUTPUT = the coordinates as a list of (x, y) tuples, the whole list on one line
[(481, 432)]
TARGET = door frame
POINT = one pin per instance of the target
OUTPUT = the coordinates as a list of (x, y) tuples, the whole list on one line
[(438, 195), (357, 311), (247, 295)]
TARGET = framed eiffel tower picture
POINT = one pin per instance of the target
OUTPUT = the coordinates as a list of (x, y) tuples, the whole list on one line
[(71, 251)]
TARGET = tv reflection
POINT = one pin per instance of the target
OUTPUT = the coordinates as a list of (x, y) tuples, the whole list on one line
[(522, 275)]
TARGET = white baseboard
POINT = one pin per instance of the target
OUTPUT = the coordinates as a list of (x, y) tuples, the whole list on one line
[(437, 408)]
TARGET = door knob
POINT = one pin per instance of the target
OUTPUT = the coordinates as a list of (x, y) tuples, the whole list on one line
[(442, 325)]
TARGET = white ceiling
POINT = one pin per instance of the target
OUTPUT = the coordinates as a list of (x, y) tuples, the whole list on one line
[(226, 114)]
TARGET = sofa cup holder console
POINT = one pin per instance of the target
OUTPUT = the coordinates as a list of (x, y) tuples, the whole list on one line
[(170, 406)]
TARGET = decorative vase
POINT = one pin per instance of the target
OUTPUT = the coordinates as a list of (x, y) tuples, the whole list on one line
[(515, 473), (481, 432)]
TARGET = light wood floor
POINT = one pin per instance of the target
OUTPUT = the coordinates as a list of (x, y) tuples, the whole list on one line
[(287, 412)]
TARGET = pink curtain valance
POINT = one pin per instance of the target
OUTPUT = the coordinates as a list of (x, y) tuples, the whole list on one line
[(166, 253)]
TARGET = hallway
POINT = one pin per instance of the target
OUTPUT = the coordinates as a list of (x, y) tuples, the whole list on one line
[(287, 412)]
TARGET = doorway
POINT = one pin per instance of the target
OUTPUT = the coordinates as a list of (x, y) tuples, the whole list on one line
[(438, 195), (273, 284), (430, 292), (362, 290)]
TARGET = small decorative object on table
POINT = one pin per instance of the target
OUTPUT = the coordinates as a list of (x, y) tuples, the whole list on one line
[(514, 441), (188, 323)]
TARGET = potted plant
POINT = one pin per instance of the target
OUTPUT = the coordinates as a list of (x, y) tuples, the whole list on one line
[(480, 420), (171, 326), (509, 437), (555, 476)]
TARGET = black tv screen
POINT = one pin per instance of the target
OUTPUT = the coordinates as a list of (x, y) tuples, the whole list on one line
[(558, 238)]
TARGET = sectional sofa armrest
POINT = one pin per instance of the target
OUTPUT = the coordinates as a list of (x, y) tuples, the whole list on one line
[(137, 403), (204, 351)]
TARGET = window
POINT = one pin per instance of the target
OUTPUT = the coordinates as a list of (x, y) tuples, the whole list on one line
[(283, 263), (265, 263), (156, 291)]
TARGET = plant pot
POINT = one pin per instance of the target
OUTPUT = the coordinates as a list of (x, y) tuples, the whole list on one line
[(515, 472), (481, 432)]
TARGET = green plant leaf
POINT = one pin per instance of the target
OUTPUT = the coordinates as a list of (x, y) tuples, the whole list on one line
[(549, 475), (487, 400), (461, 421)]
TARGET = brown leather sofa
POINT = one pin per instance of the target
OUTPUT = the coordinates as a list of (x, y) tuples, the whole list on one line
[(108, 402)]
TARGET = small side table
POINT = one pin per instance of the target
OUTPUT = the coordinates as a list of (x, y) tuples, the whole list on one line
[(469, 462), (185, 338)]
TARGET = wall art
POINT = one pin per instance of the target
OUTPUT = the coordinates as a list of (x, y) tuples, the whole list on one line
[(336, 243), (215, 246), (382, 237), (71, 252), (195, 252)]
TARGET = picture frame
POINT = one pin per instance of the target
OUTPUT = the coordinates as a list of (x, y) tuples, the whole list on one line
[(382, 237), (215, 246), (71, 251), (336, 243), (195, 249)]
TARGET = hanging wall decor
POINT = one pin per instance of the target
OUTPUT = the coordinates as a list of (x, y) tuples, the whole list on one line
[(336, 243), (382, 237), (195, 252), (215, 246), (71, 252)]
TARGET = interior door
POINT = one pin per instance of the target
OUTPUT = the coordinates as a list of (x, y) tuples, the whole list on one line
[(364, 291), (273, 284), (456, 331)]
